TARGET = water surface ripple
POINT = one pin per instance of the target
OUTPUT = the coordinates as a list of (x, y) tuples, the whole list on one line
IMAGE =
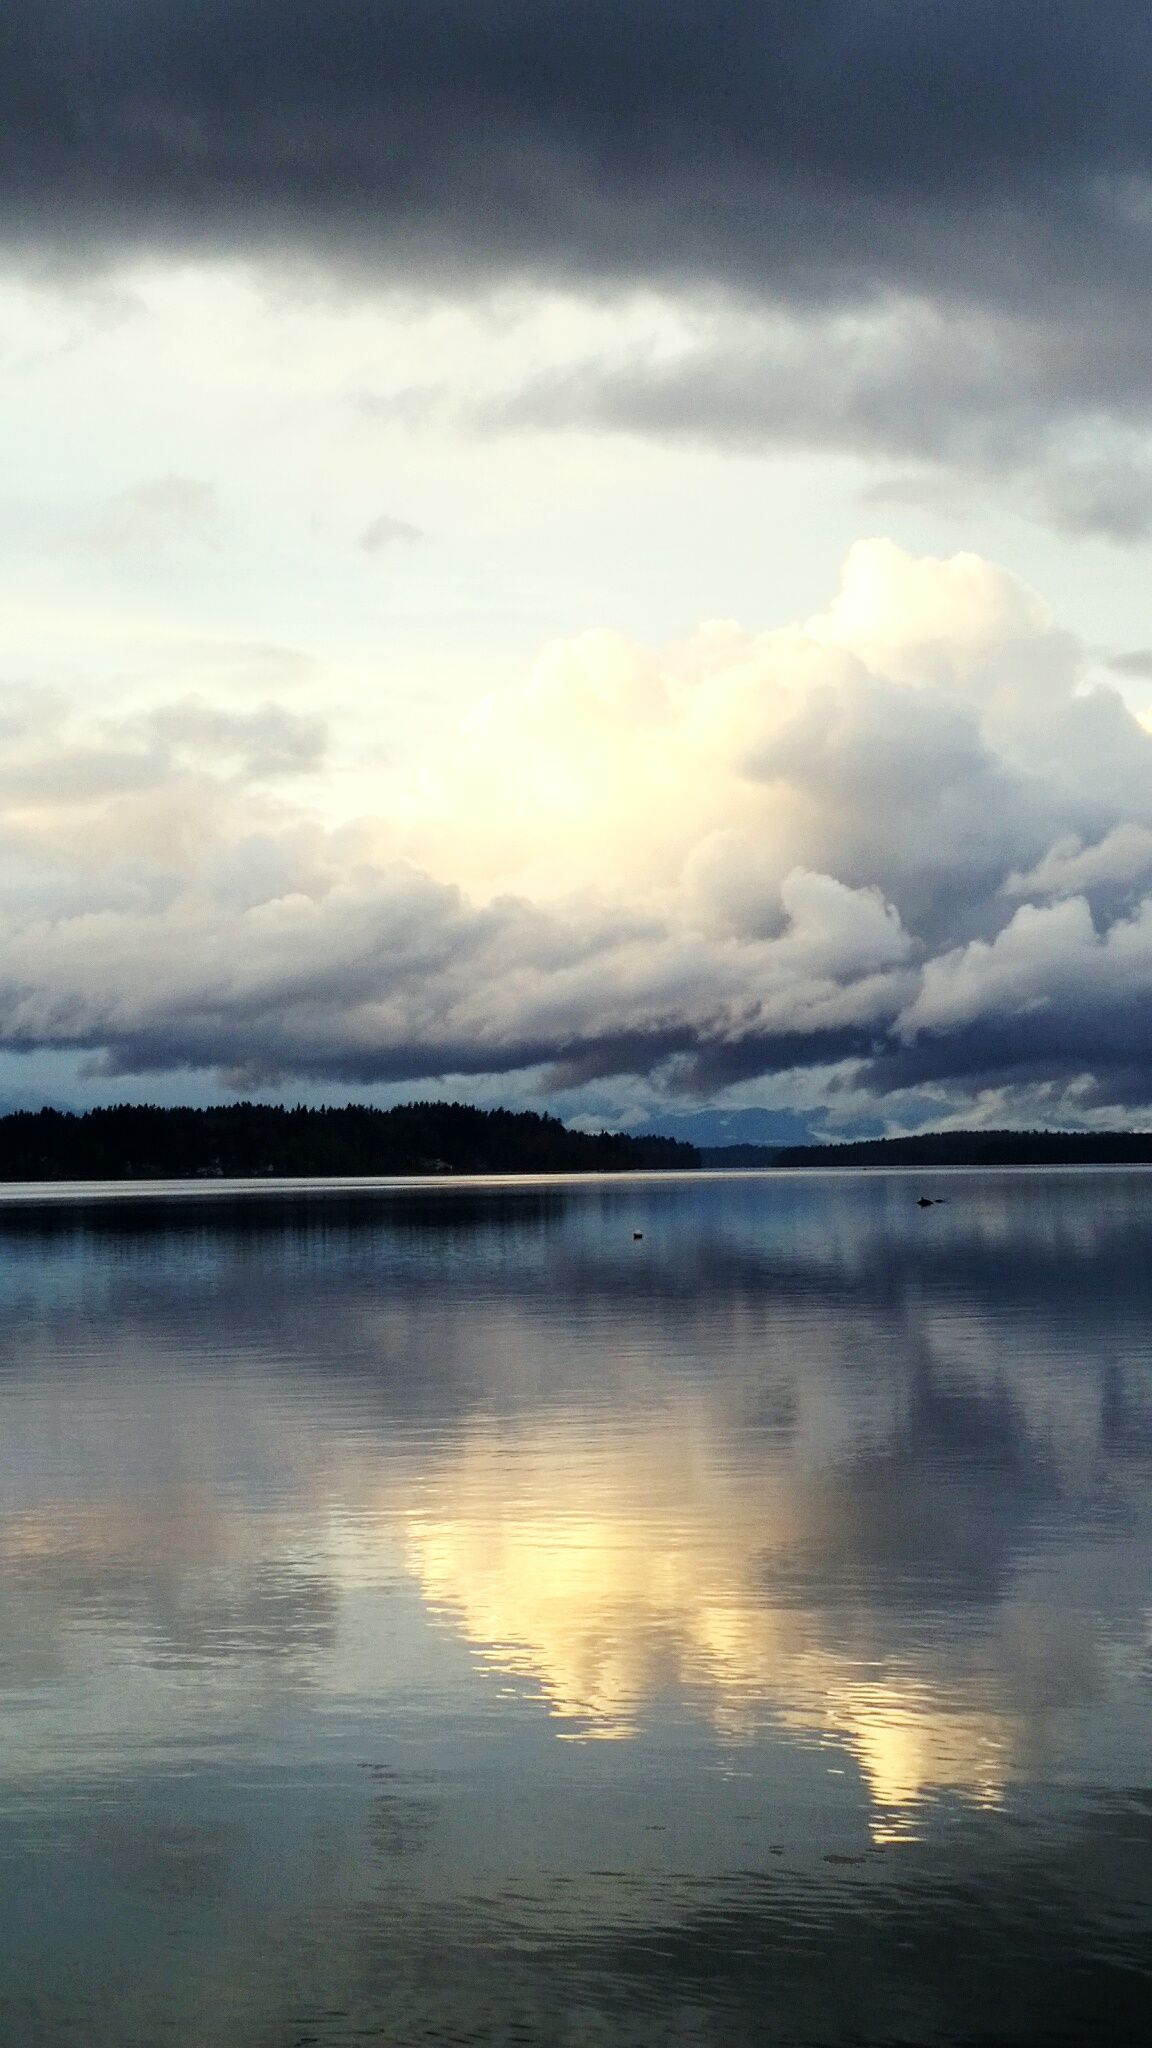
[(442, 1614)]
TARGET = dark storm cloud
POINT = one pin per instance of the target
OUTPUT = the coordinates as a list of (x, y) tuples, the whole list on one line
[(979, 171), (823, 146)]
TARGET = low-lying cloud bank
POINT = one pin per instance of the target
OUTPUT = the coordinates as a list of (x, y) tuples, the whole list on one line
[(903, 847)]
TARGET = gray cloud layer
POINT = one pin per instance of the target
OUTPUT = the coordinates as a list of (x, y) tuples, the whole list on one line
[(826, 143), (979, 172), (1056, 405)]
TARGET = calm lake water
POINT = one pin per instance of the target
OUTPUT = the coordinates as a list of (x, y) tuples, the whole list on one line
[(440, 1616)]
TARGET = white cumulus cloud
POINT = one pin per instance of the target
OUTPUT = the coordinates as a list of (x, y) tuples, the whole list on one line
[(905, 842)]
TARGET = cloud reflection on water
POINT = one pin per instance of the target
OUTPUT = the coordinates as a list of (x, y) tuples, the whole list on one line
[(644, 1567), (331, 1555), (791, 1470)]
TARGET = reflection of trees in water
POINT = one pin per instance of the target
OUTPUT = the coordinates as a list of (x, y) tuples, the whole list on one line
[(268, 1212)]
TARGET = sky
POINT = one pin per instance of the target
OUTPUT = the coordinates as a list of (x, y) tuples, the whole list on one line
[(592, 557)]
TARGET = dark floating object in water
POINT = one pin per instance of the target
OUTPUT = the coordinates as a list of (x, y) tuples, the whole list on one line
[(636, 1236), (930, 1201)]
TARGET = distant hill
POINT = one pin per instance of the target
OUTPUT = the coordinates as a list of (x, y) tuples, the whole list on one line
[(245, 1139), (981, 1148), (952, 1148)]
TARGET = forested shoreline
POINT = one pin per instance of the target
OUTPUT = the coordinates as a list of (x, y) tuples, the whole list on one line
[(951, 1148), (140, 1141), (246, 1139)]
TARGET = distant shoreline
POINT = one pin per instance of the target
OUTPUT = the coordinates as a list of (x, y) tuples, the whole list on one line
[(139, 1143), (948, 1148)]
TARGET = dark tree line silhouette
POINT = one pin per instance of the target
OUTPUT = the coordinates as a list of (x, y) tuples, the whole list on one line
[(243, 1139), (978, 1148)]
